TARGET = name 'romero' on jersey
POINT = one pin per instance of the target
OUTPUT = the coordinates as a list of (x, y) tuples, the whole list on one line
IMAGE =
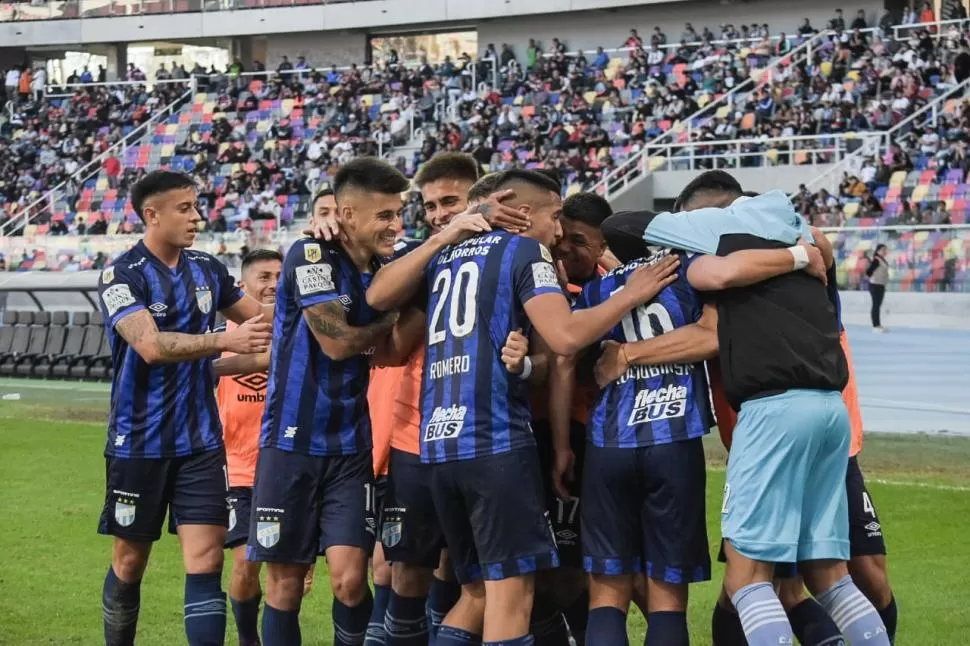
[(314, 404), (166, 410), (650, 405), (470, 405)]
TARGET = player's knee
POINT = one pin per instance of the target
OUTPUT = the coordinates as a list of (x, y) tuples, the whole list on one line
[(869, 574), (791, 591), (284, 585), (245, 577), (611, 591), (129, 559), (410, 581), (382, 572), (349, 584), (666, 597)]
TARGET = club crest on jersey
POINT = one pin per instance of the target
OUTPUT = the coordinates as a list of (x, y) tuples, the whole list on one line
[(204, 298), (545, 253), (391, 534), (268, 533), (312, 252), (124, 513)]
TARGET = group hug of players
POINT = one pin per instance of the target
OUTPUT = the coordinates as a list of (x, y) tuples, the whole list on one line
[(512, 411)]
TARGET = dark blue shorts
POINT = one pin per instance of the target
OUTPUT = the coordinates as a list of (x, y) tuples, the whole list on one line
[(240, 508), (410, 532), (644, 511), (304, 504), (564, 514), (492, 511), (140, 491)]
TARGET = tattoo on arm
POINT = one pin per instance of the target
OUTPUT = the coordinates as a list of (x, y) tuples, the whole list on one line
[(329, 320), (141, 333)]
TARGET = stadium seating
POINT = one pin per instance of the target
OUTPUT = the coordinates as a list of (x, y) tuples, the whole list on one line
[(54, 345)]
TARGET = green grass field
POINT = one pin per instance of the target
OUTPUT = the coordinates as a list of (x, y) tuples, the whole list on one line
[(52, 489)]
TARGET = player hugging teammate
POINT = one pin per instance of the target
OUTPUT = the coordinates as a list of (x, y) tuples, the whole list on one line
[(419, 362)]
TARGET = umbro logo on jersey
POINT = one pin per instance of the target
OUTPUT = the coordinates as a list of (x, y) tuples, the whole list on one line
[(255, 381), (158, 309)]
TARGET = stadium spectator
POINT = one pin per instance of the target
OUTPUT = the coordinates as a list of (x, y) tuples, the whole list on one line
[(878, 274)]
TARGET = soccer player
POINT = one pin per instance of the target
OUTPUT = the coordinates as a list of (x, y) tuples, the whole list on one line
[(241, 401), (164, 450), (486, 483), (785, 499), (314, 477)]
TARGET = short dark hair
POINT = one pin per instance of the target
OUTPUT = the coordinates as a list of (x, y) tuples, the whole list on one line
[(371, 175), (156, 183), (589, 208), (484, 187), (448, 165), (552, 174), (712, 180), (538, 180), (259, 255), (323, 192)]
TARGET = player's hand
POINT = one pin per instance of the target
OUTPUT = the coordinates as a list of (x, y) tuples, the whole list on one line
[(464, 226), (515, 351), (324, 229), (612, 364), (501, 216), (252, 337), (646, 282), (816, 263), (562, 472), (308, 581), (608, 261)]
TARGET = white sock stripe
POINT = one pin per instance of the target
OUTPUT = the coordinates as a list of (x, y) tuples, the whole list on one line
[(764, 615), (757, 605), (848, 607), (220, 601), (204, 614), (860, 614), (749, 630)]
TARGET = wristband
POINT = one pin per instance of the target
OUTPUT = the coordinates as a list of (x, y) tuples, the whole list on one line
[(800, 254), (526, 369)]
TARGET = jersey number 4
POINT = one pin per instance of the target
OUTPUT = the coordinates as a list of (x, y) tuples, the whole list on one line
[(462, 292)]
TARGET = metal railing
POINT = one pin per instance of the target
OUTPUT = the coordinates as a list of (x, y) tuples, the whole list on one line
[(803, 150), (636, 167), (49, 201), (831, 178)]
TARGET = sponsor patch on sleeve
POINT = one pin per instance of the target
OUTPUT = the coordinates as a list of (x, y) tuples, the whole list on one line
[(543, 275), (314, 279), (116, 298)]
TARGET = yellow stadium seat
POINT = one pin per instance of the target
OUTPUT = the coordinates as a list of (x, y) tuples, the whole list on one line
[(334, 89), (573, 189), (222, 147), (610, 73), (113, 227), (826, 68), (101, 184), (171, 129), (898, 178), (287, 106), (772, 156), (367, 100), (209, 107), (703, 100), (30, 230), (168, 150), (853, 75), (270, 144), (263, 126), (919, 193), (589, 96), (657, 162), (200, 97), (851, 209), (723, 112), (518, 100), (570, 129)]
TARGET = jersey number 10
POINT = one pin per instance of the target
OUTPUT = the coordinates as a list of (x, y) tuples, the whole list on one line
[(645, 317), (462, 291)]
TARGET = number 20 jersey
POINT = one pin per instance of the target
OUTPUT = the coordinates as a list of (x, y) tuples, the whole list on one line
[(470, 405), (649, 405)]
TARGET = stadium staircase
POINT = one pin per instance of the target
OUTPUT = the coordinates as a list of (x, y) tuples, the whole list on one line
[(95, 197), (636, 168)]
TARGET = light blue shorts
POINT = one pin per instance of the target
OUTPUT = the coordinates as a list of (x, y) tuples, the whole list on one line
[(785, 500)]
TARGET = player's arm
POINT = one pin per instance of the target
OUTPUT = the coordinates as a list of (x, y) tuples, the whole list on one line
[(751, 266), (338, 339), (824, 245), (686, 344), (562, 383), (246, 308), (397, 282), (527, 367), (241, 364), (405, 337), (567, 332), (138, 329)]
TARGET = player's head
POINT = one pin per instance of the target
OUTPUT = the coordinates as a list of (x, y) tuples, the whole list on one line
[(582, 242), (536, 195), (444, 181), (484, 187), (714, 188), (324, 205), (623, 232), (166, 202), (260, 272), (368, 193)]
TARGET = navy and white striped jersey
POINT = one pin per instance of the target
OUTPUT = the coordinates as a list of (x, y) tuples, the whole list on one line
[(167, 410), (315, 405), (650, 405), (470, 405)]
